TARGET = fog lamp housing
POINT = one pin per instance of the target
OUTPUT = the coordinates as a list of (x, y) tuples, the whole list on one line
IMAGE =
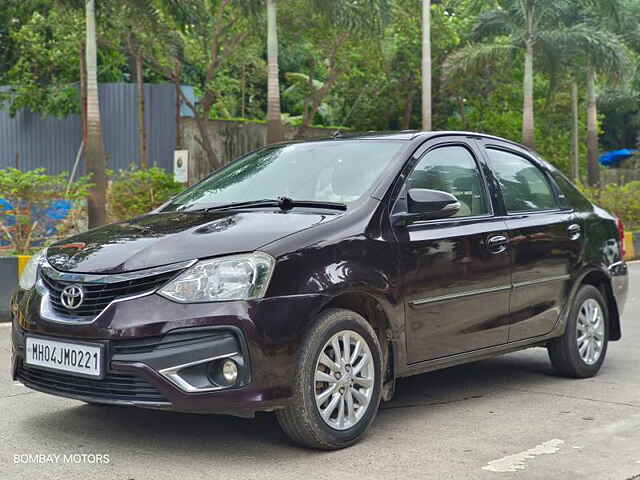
[(210, 374)]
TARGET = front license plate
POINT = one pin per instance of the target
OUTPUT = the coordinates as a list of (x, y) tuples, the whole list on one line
[(83, 359)]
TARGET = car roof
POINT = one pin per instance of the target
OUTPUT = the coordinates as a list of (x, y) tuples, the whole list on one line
[(414, 134)]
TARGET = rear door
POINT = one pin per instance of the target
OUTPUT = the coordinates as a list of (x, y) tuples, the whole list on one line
[(456, 271), (545, 237)]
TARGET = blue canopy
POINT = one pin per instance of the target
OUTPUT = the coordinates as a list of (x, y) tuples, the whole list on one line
[(609, 159)]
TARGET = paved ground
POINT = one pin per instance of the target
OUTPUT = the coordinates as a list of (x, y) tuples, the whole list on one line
[(507, 418)]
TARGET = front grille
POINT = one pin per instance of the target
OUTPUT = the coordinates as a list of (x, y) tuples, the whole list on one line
[(98, 295), (170, 340), (114, 386)]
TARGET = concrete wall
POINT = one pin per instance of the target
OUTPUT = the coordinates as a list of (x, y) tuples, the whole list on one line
[(231, 139)]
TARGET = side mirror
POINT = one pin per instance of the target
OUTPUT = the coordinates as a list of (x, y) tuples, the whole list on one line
[(424, 204)]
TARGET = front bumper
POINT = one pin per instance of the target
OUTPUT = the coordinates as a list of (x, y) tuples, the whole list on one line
[(147, 337)]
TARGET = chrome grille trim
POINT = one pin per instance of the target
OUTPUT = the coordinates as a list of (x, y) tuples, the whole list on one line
[(73, 277)]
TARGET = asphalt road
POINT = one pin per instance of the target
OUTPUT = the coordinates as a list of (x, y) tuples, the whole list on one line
[(506, 418)]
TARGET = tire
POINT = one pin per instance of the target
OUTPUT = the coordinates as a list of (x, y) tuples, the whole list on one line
[(301, 421), (564, 353)]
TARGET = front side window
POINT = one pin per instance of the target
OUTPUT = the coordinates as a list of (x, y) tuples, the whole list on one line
[(331, 171), (524, 187), (452, 169)]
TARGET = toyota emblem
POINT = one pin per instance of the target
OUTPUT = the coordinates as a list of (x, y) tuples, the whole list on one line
[(72, 296)]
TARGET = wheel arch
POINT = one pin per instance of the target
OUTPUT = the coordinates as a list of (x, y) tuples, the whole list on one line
[(373, 311), (602, 282)]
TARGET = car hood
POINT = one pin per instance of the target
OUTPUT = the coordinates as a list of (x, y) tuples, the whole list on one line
[(164, 238)]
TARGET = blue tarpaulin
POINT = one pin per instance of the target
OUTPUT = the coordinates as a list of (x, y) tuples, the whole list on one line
[(609, 159)]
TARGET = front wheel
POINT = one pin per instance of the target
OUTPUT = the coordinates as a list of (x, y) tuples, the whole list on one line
[(579, 353), (338, 382)]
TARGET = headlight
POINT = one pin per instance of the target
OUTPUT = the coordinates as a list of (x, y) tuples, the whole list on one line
[(29, 275), (237, 277)]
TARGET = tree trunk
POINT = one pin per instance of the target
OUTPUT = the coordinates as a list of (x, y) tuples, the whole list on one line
[(426, 65), (201, 117), (243, 93), (528, 127), (94, 153), (593, 170), (83, 92), (408, 109), (463, 114), (142, 131), (274, 116), (213, 163), (316, 101), (574, 132)]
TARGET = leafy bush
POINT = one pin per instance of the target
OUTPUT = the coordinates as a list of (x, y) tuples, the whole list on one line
[(136, 191), (25, 218), (621, 200)]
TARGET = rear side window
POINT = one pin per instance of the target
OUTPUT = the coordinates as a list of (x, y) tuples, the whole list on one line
[(524, 187), (452, 169), (572, 194)]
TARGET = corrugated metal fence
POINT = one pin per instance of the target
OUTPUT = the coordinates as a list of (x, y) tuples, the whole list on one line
[(53, 143)]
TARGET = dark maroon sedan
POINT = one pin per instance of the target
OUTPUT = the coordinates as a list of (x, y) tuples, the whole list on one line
[(304, 278)]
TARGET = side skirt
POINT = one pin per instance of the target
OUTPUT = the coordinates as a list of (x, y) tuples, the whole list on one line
[(475, 355)]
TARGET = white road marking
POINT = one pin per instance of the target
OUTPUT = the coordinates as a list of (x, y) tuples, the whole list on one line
[(513, 463)]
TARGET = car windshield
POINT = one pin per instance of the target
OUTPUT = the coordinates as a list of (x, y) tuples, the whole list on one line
[(340, 172)]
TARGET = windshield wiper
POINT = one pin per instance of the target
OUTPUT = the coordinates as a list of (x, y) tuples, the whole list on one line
[(283, 203)]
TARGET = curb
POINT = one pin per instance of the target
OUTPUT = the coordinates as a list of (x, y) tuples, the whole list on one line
[(632, 245)]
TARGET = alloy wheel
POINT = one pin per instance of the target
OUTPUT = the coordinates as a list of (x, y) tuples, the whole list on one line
[(344, 380), (590, 331)]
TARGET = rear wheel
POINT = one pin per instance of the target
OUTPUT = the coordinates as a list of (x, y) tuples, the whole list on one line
[(338, 383), (579, 353)]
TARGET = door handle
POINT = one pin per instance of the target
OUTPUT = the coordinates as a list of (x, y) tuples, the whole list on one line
[(574, 231), (497, 243)]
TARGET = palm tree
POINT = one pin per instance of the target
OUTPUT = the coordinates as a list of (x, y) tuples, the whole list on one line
[(514, 25), (426, 64), (575, 154), (274, 115), (94, 152), (590, 46)]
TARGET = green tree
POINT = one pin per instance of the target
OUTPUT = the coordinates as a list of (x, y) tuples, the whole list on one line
[(587, 41), (204, 37), (515, 25), (335, 29)]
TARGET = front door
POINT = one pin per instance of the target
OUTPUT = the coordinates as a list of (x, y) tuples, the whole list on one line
[(545, 238), (457, 271)]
